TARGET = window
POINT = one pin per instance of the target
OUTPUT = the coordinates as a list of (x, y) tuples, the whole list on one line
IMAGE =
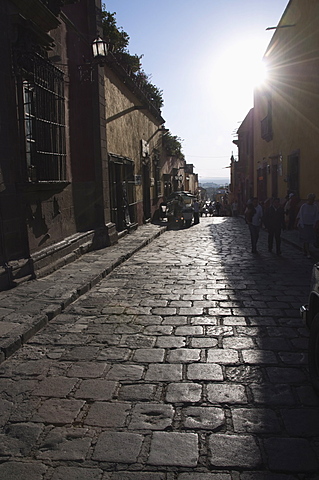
[(29, 124), (274, 178), (156, 174), (266, 123), (293, 173), (122, 191), (44, 121)]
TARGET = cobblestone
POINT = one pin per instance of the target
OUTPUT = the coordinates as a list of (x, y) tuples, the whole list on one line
[(118, 447), (179, 449), (234, 451), (186, 362)]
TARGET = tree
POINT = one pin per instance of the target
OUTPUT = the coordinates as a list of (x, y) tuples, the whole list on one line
[(154, 94), (118, 40), (173, 145)]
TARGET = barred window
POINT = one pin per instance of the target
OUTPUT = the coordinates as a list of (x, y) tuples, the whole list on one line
[(44, 119)]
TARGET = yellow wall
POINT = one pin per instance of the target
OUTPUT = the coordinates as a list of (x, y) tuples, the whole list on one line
[(293, 89)]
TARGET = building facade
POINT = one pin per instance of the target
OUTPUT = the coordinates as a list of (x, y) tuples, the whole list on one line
[(286, 109), (54, 189), (82, 157), (134, 129), (242, 169)]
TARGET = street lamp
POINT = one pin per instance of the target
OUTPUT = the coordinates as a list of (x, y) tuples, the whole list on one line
[(178, 178), (99, 51), (160, 129), (99, 48), (163, 129)]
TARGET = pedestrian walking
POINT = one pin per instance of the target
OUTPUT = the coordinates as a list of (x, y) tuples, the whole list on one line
[(211, 209), (196, 212), (253, 217), (274, 221), (307, 222), (234, 208), (291, 210), (218, 207)]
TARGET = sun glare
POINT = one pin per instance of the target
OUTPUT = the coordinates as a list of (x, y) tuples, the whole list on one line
[(258, 73), (237, 71)]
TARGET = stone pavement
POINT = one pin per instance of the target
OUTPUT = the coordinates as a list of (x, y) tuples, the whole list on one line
[(187, 362), (292, 237), (27, 308)]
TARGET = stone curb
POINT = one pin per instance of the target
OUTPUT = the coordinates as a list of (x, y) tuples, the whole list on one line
[(32, 324)]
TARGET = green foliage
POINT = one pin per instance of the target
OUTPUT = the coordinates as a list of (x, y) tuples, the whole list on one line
[(118, 40), (133, 61), (173, 145), (154, 94)]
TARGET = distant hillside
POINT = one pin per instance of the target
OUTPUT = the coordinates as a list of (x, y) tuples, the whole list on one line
[(214, 182)]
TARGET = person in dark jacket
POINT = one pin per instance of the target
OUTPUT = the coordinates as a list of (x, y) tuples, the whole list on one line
[(218, 207), (253, 217), (274, 221)]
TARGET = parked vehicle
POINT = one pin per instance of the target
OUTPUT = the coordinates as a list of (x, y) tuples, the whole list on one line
[(180, 212), (188, 215), (310, 316)]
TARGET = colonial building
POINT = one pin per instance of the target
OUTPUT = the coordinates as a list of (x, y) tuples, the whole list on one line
[(242, 170), (81, 156), (191, 179), (286, 109), (54, 190), (134, 129)]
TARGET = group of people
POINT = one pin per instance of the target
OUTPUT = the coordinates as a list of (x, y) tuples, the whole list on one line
[(274, 220), (211, 209)]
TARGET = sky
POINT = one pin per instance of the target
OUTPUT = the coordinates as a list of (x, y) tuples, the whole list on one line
[(206, 57)]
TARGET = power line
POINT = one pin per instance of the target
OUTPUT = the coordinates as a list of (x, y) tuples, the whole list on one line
[(203, 156)]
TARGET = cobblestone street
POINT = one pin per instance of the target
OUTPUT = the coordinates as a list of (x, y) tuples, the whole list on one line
[(186, 362)]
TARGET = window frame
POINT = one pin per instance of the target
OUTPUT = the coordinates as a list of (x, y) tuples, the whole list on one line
[(43, 112)]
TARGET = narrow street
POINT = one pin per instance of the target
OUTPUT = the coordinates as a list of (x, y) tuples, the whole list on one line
[(187, 362)]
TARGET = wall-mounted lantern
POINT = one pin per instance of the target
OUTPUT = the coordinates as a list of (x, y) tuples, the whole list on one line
[(99, 48), (99, 52)]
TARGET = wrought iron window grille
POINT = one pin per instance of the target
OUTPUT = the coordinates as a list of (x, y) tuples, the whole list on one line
[(44, 118)]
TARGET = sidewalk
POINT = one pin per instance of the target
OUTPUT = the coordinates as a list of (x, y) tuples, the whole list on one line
[(26, 309), (292, 238)]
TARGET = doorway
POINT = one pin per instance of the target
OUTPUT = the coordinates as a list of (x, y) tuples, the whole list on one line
[(293, 173), (122, 192), (146, 193)]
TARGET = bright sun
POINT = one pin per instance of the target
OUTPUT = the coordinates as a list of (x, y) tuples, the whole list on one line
[(237, 71), (258, 73)]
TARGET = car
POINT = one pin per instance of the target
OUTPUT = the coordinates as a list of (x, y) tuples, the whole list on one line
[(310, 316)]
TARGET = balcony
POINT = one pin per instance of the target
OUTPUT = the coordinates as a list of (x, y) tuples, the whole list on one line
[(266, 128)]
